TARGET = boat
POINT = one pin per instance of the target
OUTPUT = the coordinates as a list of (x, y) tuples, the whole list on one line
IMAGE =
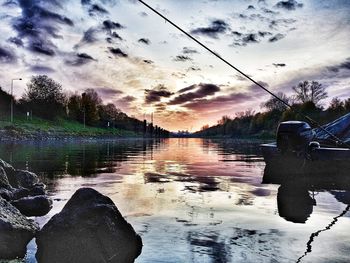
[(301, 150)]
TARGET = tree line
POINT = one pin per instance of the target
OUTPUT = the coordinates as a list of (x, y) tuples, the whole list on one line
[(45, 98), (306, 100)]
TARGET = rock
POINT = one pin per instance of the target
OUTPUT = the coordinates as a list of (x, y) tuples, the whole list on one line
[(6, 194), (7, 167), (24, 192), (33, 206), (89, 229), (20, 193), (15, 231), (25, 179), (9, 170), (38, 189), (4, 182)]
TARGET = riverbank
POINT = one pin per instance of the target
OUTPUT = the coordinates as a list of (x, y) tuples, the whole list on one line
[(39, 129)]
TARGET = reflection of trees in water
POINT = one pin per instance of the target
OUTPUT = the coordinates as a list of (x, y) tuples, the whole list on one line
[(234, 150), (74, 158), (209, 244), (237, 245)]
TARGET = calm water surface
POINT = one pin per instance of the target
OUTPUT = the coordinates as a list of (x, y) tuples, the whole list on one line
[(195, 200)]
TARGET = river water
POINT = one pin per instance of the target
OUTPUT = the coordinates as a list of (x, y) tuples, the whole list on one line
[(195, 200)]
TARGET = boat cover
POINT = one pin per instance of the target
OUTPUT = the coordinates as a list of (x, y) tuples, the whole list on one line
[(340, 128)]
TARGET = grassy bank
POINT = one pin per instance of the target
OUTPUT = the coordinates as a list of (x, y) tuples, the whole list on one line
[(39, 127)]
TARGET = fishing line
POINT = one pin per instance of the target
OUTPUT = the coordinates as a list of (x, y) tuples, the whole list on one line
[(337, 140)]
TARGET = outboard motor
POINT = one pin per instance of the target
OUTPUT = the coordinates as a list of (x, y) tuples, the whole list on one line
[(294, 136)]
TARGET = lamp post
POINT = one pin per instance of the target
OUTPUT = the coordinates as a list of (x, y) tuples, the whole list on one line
[(12, 98)]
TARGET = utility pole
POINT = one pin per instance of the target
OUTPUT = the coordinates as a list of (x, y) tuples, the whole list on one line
[(12, 98)]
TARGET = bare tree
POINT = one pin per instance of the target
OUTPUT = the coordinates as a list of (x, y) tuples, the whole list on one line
[(274, 104), (224, 119), (245, 114), (310, 91)]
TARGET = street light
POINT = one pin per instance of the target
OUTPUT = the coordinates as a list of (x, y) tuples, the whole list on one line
[(12, 98)]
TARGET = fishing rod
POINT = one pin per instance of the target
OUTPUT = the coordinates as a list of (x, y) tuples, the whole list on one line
[(337, 140)]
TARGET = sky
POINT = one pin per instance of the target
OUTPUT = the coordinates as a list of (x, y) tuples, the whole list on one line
[(139, 62)]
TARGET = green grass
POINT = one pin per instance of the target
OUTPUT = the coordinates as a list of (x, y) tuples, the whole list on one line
[(60, 127)]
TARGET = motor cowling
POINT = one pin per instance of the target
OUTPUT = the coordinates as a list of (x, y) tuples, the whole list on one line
[(294, 136)]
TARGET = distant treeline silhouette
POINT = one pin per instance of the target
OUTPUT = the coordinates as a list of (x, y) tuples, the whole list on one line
[(46, 99), (306, 99)]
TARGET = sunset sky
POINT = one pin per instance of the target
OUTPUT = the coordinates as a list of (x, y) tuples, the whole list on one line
[(136, 60)]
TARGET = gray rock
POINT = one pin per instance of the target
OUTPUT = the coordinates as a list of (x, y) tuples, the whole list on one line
[(33, 206), (4, 182), (15, 231), (6, 194), (25, 179), (38, 189), (9, 170), (20, 193), (89, 229), (7, 167)]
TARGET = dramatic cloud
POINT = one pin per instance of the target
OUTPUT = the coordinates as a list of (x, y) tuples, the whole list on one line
[(108, 92), (219, 102), (90, 35), (96, 9), (251, 7), (145, 41), (216, 27), (202, 91), (38, 24), (7, 55), (39, 69), (189, 50), (116, 35), (344, 65), (282, 22), (268, 11), (80, 59), (109, 25), (245, 39), (277, 37), (155, 95), (148, 61), (125, 102), (128, 99), (43, 48), (289, 5), (17, 41), (192, 87), (193, 69), (278, 65), (117, 52), (182, 58)]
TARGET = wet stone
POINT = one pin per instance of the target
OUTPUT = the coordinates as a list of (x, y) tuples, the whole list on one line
[(16, 231), (89, 229), (33, 206)]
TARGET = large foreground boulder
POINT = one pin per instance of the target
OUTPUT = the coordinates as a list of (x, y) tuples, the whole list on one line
[(89, 229), (15, 231), (33, 205)]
